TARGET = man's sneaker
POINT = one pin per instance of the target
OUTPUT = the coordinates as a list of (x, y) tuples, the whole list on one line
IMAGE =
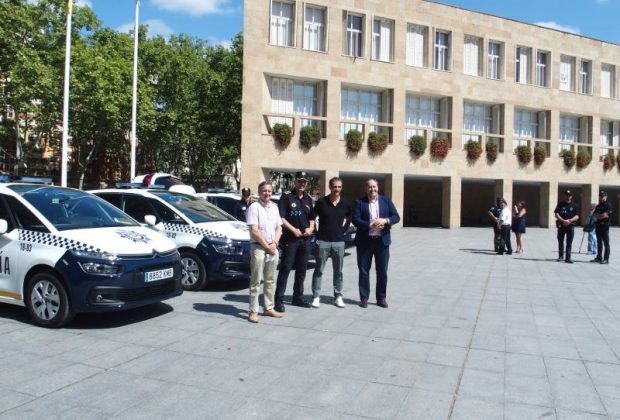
[(272, 313), (605, 262), (298, 301), (339, 302), (316, 302), (596, 260), (253, 317)]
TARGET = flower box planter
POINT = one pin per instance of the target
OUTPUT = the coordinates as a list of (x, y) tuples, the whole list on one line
[(609, 161), (524, 154), (354, 140), (474, 149), (540, 154), (309, 136), (440, 147), (377, 142), (417, 145), (491, 149), (583, 159), (283, 134), (569, 158)]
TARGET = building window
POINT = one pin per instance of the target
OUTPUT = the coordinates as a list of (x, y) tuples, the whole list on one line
[(610, 137), (567, 73), (424, 112), (382, 39), (282, 24), (314, 28), (297, 97), (585, 77), (354, 35), (471, 59), (495, 66), (608, 81), (480, 118), (364, 106), (442, 50), (523, 60), (416, 45), (543, 68), (573, 129)]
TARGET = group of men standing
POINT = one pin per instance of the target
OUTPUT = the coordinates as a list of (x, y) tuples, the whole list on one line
[(290, 226)]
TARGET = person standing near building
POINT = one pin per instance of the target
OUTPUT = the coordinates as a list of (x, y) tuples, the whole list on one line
[(494, 213), (373, 215), (566, 216), (518, 224), (242, 205), (505, 221), (263, 219), (297, 214), (590, 229), (334, 217), (602, 214)]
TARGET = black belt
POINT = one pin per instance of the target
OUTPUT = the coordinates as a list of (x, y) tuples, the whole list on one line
[(374, 238)]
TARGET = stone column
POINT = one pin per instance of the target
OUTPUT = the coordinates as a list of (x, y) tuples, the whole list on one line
[(503, 188), (589, 195), (451, 202), (548, 201), (395, 189), (324, 177)]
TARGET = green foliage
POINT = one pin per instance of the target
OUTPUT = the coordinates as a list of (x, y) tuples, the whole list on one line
[(474, 149), (377, 142), (283, 134), (569, 158), (309, 136), (491, 149), (354, 140), (417, 145), (540, 154), (583, 159), (439, 147), (609, 161), (524, 154)]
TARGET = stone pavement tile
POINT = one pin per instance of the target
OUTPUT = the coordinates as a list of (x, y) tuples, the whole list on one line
[(553, 332), (229, 348), (52, 408), (576, 396), (604, 373), (447, 355), (563, 414), (27, 367), (425, 405), (482, 384), (313, 339), (362, 327), (335, 323), (359, 366), (236, 329), (179, 401), (437, 378), (332, 391), (411, 350), (486, 360), (367, 345), (611, 398), (195, 321), (467, 408), (95, 347), (454, 337), (492, 342), (145, 335), (559, 348), (423, 334), (7, 327), (117, 356), (595, 350), (10, 399), (365, 404), (528, 390), (566, 370), (397, 372), (514, 411), (45, 382), (291, 386), (394, 331)]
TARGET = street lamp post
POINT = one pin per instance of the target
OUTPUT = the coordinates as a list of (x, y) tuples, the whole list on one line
[(134, 102), (65, 105)]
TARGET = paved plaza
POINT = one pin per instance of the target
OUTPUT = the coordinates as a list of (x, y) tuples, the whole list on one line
[(468, 335)]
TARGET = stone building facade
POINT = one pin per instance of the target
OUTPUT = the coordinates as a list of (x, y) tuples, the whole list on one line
[(417, 68)]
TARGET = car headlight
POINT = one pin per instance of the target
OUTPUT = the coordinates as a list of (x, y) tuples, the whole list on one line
[(99, 268), (104, 265), (228, 248), (94, 255)]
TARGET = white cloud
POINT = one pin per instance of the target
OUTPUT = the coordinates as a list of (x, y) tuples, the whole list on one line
[(559, 27), (226, 43), (195, 7), (83, 3), (155, 27)]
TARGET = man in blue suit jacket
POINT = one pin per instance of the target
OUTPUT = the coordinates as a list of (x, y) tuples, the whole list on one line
[(373, 216)]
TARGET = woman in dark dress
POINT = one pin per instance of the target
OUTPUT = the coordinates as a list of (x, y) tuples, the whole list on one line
[(518, 224)]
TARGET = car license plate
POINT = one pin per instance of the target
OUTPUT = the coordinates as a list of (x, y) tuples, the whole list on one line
[(166, 273)]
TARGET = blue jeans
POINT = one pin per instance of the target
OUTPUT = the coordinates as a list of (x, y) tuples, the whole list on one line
[(592, 242), (324, 250)]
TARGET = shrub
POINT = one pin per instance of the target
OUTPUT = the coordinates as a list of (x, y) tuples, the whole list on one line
[(354, 140), (583, 159), (609, 161), (524, 154), (417, 145), (377, 142), (569, 158), (283, 134), (309, 136), (491, 148), (439, 147), (474, 149), (540, 154)]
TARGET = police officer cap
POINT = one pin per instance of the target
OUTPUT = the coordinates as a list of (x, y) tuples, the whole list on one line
[(301, 176), (602, 193), (246, 191), (568, 192)]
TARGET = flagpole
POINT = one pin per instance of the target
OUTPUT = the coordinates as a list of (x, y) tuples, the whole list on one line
[(134, 102), (65, 105)]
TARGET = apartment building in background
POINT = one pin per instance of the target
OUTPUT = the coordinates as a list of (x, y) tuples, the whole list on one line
[(415, 67)]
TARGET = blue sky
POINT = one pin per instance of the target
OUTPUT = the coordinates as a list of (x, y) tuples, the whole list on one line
[(219, 20)]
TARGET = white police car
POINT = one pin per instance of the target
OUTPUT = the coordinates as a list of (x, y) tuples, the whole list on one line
[(64, 251), (214, 246)]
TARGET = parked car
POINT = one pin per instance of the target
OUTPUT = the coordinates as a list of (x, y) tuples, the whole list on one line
[(214, 246), (64, 251), (224, 200), (164, 180)]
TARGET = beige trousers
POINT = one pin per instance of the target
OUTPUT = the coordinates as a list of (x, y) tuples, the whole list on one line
[(263, 267)]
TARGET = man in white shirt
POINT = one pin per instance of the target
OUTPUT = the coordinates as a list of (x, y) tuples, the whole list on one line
[(505, 221)]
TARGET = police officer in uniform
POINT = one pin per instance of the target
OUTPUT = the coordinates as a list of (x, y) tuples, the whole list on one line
[(566, 216), (242, 205), (297, 212), (494, 212), (602, 214)]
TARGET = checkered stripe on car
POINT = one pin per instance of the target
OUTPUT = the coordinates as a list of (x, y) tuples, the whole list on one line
[(55, 241), (193, 230)]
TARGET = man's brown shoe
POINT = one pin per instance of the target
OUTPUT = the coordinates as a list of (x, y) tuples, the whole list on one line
[(382, 303), (253, 317), (272, 313)]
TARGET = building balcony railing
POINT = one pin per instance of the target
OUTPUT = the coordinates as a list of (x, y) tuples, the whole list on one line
[(367, 127), (429, 133), (295, 122), (574, 146), (484, 138), (532, 142)]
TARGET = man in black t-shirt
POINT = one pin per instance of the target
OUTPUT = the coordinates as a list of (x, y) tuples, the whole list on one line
[(566, 215), (602, 214), (334, 217), (297, 214)]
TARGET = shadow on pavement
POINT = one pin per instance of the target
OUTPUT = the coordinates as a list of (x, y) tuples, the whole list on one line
[(102, 320), (16, 313), (219, 308), (478, 251), (224, 286)]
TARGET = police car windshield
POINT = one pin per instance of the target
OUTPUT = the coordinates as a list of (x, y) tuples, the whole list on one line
[(195, 209), (72, 209)]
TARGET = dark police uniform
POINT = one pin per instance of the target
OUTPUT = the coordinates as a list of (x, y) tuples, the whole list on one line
[(240, 209), (298, 212), (566, 211), (496, 211), (602, 231)]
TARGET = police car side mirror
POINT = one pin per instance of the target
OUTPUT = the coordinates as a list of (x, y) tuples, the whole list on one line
[(150, 220), (4, 226)]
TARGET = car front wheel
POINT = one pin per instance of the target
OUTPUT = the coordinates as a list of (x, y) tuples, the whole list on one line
[(47, 301), (194, 273)]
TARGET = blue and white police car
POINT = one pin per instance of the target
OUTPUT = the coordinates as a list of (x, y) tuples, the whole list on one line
[(64, 251), (214, 246)]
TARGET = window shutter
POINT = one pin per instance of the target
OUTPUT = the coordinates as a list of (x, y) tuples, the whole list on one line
[(565, 74), (606, 81), (496, 119), (415, 45), (616, 133), (523, 65), (542, 125), (444, 113), (386, 103), (584, 130)]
